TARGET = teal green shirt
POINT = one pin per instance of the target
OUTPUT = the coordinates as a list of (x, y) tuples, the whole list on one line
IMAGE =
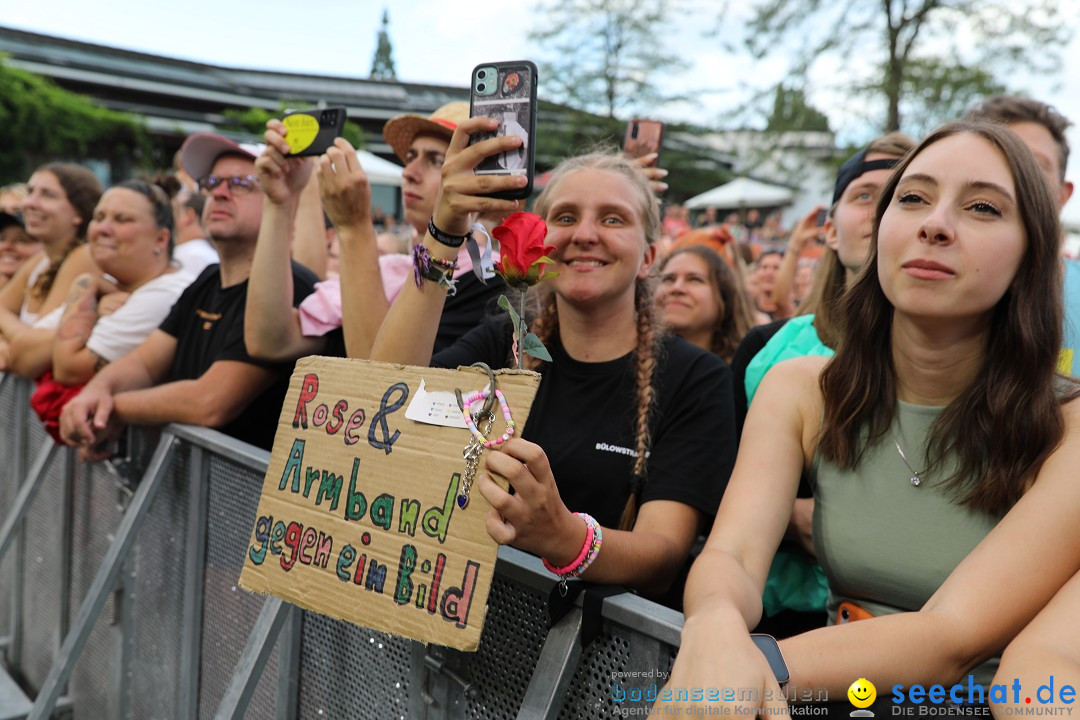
[(797, 338)]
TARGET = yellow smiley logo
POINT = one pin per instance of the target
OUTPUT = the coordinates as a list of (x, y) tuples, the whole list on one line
[(862, 693)]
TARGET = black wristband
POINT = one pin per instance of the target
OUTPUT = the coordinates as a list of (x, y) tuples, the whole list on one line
[(453, 241)]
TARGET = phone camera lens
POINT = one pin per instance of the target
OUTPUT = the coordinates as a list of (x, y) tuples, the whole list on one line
[(481, 87), (482, 74)]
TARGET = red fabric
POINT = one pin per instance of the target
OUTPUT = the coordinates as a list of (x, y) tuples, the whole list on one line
[(521, 249), (49, 399)]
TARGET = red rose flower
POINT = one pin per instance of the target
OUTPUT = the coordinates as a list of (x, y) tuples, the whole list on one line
[(522, 250)]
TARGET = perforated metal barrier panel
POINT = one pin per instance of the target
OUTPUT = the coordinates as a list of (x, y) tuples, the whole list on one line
[(234, 497), (158, 608), (514, 633), (9, 486), (96, 513), (133, 663), (42, 588)]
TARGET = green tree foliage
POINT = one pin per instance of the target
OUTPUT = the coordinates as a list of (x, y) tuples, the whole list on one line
[(253, 121), (926, 50), (607, 55), (382, 67), (791, 111), (43, 122)]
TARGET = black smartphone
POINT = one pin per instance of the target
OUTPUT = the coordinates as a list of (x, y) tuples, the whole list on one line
[(822, 216), (311, 132), (644, 137), (506, 91), (771, 650)]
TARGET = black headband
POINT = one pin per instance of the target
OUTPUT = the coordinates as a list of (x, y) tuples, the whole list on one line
[(855, 167)]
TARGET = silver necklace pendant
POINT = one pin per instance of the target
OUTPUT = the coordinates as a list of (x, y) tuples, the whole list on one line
[(916, 481)]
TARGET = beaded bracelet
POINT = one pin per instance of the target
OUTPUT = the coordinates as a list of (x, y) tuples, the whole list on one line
[(594, 538), (471, 424), (427, 267)]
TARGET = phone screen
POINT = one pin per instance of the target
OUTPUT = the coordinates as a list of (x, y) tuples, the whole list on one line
[(643, 137)]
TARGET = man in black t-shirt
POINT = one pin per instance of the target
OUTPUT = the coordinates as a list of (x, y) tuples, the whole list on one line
[(195, 369)]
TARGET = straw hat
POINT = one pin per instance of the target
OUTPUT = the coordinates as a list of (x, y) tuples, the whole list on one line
[(400, 131)]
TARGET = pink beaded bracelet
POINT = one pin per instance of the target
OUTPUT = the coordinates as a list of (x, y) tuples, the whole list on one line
[(467, 413), (594, 538)]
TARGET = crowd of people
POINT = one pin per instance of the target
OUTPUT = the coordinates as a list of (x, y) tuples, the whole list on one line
[(873, 426)]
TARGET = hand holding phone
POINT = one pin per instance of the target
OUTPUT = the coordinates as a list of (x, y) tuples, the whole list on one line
[(506, 91), (644, 137), (312, 132)]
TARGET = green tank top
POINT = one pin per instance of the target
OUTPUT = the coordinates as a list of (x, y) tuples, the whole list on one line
[(884, 543)]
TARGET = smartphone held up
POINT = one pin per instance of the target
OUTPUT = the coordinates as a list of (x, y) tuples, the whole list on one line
[(644, 137), (312, 132), (506, 91)]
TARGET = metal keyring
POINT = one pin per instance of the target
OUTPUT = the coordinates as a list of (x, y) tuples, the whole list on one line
[(489, 402)]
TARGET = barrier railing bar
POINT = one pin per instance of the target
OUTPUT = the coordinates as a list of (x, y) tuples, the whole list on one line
[(195, 552), (22, 408), (217, 443), (288, 694), (105, 579), (646, 617), (554, 669), (274, 614), (12, 525)]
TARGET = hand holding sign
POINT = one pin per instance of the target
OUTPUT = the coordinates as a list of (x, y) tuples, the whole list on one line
[(358, 517)]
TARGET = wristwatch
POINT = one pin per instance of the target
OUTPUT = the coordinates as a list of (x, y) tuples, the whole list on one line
[(771, 650)]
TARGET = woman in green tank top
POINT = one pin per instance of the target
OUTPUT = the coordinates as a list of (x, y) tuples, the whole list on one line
[(942, 447)]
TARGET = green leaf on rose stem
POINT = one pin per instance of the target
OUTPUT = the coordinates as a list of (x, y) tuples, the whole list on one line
[(505, 305), (534, 347), (544, 259), (549, 274)]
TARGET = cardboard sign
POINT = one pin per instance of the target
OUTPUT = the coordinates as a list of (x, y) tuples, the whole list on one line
[(358, 517)]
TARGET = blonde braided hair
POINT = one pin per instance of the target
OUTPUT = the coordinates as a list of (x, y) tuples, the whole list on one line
[(647, 351)]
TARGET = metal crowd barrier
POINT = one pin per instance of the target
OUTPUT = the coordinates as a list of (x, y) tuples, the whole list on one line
[(118, 599)]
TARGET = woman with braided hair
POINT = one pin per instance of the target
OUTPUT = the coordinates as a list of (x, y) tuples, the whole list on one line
[(56, 211), (631, 428)]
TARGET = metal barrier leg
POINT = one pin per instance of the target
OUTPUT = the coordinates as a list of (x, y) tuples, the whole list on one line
[(105, 579), (274, 615), (554, 669), (195, 552), (124, 609), (288, 695)]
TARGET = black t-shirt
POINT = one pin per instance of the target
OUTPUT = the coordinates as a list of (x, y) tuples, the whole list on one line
[(208, 324), (585, 419), (466, 308)]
